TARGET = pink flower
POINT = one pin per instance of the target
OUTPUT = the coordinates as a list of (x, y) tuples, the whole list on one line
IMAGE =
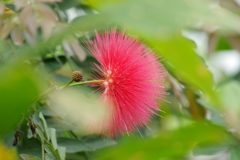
[(133, 81)]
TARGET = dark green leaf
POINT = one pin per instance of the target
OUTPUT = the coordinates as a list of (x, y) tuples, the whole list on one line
[(73, 146), (32, 151), (28, 157), (66, 4), (53, 64)]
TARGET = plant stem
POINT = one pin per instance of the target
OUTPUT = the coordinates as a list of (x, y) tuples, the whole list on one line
[(43, 156), (82, 83), (70, 84), (67, 84)]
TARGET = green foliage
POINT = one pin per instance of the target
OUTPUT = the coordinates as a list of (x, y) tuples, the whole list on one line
[(28, 157), (20, 86), (7, 1), (202, 117), (172, 144)]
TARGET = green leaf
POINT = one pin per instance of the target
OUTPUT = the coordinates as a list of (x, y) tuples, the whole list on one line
[(97, 143), (40, 133), (210, 150), (62, 152), (73, 146), (139, 16), (16, 79), (44, 125), (48, 149), (28, 157), (52, 133), (184, 61), (34, 151), (166, 144), (230, 92), (235, 154), (46, 111), (53, 64), (49, 157), (66, 4), (223, 44), (59, 125), (7, 1)]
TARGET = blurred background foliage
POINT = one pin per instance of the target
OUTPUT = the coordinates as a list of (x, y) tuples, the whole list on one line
[(42, 43)]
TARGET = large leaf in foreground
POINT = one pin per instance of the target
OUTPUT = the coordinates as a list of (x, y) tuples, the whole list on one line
[(170, 144), (19, 88)]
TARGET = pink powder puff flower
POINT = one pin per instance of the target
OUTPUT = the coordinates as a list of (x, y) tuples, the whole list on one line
[(133, 81)]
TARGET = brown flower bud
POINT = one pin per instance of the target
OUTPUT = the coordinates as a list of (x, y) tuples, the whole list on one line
[(76, 76)]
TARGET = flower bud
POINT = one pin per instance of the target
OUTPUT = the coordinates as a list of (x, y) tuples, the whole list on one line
[(76, 76)]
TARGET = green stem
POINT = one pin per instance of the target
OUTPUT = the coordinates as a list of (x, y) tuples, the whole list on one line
[(82, 83), (67, 84), (70, 84), (43, 156)]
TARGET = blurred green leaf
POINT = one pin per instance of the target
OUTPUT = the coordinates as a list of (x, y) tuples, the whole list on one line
[(40, 133), (46, 111), (235, 154), (49, 157), (28, 157), (49, 150), (157, 18), (218, 119), (210, 150), (59, 125), (97, 142), (229, 94), (16, 79), (52, 134), (198, 112), (171, 144), (62, 152), (73, 146), (185, 62), (52, 64), (7, 1), (223, 44), (44, 125), (66, 4), (34, 152)]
